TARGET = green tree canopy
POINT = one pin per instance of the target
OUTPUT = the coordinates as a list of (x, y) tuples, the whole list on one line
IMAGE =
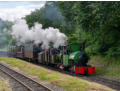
[(96, 22)]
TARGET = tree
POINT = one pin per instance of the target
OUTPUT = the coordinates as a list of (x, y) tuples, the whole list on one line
[(95, 22)]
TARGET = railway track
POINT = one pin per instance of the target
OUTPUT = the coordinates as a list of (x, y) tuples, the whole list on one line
[(93, 78), (25, 81), (110, 83)]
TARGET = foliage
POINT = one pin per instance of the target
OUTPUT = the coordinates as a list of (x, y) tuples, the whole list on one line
[(5, 36), (107, 68), (95, 22)]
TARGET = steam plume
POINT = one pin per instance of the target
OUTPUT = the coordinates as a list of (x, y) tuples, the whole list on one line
[(22, 33)]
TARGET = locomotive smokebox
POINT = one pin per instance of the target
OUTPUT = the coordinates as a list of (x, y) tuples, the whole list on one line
[(83, 59)]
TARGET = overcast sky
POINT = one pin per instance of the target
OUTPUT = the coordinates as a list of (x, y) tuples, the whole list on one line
[(14, 10)]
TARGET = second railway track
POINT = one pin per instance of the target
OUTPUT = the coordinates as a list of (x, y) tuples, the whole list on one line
[(27, 82)]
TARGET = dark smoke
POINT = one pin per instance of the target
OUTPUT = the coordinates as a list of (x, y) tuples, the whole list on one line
[(52, 12)]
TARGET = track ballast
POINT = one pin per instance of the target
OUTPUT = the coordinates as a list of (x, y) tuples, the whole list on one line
[(25, 81), (93, 78)]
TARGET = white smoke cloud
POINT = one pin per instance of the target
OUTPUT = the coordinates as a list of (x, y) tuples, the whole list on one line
[(22, 33)]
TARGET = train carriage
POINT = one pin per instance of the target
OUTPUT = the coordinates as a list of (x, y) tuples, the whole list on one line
[(12, 51), (49, 57), (20, 51), (71, 57), (31, 52)]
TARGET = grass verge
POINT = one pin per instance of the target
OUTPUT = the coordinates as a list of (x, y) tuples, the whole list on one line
[(4, 86), (67, 82), (108, 68)]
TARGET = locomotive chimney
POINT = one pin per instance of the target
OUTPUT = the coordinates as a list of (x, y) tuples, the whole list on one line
[(83, 46)]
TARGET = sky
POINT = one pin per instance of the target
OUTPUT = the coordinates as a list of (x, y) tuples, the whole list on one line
[(14, 10)]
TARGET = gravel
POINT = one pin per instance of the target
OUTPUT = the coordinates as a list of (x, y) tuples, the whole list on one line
[(15, 86)]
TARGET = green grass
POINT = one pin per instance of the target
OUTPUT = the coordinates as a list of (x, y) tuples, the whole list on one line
[(4, 86), (73, 82), (67, 82), (109, 68)]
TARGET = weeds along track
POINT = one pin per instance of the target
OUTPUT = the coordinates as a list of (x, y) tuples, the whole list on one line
[(110, 83), (93, 78), (25, 81)]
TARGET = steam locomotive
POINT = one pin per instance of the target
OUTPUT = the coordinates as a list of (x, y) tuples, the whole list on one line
[(72, 57)]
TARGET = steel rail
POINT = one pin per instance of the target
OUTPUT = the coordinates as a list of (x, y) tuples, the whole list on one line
[(17, 80), (1, 64), (95, 78)]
